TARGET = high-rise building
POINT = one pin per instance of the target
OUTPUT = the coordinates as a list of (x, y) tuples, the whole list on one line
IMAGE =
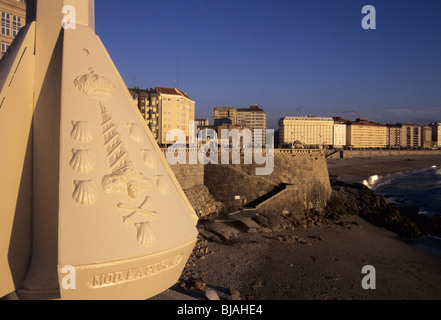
[(393, 139), (165, 109), (13, 18), (252, 118), (310, 131), (403, 135), (426, 137), (222, 113), (366, 134), (339, 132), (255, 119), (410, 135), (436, 133)]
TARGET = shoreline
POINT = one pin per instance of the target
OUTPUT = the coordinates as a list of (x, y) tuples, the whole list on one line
[(322, 260), (356, 170), (361, 169)]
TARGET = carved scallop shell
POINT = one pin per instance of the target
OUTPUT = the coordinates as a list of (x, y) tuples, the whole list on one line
[(135, 132), (149, 159), (85, 193), (82, 161), (161, 185), (81, 132), (145, 236), (95, 86)]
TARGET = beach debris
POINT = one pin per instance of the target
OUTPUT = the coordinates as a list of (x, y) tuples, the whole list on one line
[(235, 294), (211, 294)]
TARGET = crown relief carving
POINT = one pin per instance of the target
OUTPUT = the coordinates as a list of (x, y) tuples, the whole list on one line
[(95, 86)]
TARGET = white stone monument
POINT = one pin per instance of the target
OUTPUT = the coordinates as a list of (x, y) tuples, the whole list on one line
[(90, 209)]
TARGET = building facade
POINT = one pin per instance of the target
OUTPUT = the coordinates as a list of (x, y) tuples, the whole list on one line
[(222, 113), (410, 135), (340, 140), (436, 133), (165, 109), (253, 118), (13, 18), (310, 131), (202, 122), (393, 136), (426, 137), (366, 134)]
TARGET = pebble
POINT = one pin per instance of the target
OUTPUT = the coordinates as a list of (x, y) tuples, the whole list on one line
[(211, 294)]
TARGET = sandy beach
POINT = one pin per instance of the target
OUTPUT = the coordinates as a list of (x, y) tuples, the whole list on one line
[(319, 262), (327, 266), (358, 169)]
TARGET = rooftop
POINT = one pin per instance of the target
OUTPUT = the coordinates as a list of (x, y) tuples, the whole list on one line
[(171, 91)]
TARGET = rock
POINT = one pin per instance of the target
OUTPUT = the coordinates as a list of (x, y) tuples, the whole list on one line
[(357, 199), (235, 294), (222, 229), (203, 203), (199, 284), (257, 285), (211, 294)]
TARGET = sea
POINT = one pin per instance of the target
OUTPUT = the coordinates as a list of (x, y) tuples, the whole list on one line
[(419, 188)]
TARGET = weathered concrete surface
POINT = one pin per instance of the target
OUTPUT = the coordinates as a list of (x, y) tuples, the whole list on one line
[(307, 175)]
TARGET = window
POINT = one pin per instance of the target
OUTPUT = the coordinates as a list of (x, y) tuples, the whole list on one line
[(16, 25), (6, 24), (5, 46)]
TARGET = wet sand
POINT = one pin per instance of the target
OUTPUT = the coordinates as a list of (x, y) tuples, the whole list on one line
[(359, 169), (327, 267)]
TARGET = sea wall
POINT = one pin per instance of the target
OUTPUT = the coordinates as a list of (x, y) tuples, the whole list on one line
[(303, 173), (347, 154)]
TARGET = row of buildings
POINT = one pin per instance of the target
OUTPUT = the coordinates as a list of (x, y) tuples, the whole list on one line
[(312, 131), (164, 109), (13, 18)]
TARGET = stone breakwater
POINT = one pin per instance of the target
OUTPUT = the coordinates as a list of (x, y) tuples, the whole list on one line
[(357, 199)]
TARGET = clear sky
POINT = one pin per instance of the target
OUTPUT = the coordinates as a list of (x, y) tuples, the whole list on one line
[(292, 57)]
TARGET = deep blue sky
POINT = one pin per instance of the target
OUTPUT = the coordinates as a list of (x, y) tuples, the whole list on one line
[(292, 57)]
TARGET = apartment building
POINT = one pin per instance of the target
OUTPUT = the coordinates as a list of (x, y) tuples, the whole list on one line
[(393, 139), (410, 135), (339, 133), (165, 109), (13, 18), (255, 119), (221, 113), (311, 131), (436, 133), (366, 134), (426, 137), (252, 118)]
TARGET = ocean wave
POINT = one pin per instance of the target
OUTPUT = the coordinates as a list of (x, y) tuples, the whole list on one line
[(434, 237), (382, 184)]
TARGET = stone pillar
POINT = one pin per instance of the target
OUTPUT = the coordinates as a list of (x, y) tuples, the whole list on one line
[(107, 210)]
